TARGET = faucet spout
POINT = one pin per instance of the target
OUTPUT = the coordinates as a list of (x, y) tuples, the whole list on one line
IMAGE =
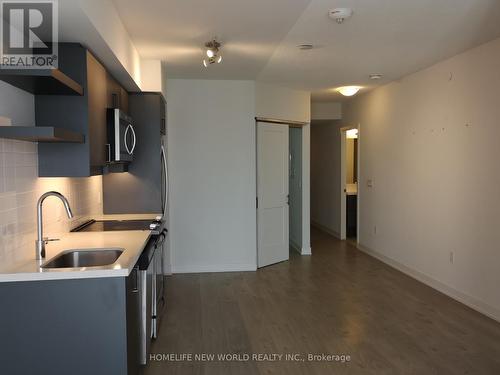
[(41, 241)]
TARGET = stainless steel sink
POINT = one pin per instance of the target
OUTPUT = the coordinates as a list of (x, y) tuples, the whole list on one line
[(84, 258)]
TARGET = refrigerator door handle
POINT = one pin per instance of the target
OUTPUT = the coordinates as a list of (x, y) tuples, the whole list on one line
[(165, 188)]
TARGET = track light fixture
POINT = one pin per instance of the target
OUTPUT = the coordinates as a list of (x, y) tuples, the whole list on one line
[(213, 53)]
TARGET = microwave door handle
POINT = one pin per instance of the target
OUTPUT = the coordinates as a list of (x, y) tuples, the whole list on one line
[(125, 139), (135, 139), (129, 127), (165, 171)]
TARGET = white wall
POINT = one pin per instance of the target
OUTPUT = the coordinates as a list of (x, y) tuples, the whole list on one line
[(325, 175), (211, 141), (276, 102), (151, 75), (430, 144), (20, 186), (326, 111)]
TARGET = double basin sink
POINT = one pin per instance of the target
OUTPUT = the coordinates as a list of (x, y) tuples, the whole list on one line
[(84, 258)]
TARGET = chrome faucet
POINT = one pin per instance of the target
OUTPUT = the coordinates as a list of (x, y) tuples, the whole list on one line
[(41, 241)]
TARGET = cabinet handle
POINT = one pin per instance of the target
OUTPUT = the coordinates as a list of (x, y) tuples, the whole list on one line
[(114, 99), (108, 153), (135, 288)]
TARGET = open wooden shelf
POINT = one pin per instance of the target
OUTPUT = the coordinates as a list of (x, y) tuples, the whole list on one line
[(48, 134), (41, 81)]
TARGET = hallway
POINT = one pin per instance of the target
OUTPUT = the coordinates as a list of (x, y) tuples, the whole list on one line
[(338, 301)]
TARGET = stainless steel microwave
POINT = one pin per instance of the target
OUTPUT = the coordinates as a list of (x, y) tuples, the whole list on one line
[(121, 137)]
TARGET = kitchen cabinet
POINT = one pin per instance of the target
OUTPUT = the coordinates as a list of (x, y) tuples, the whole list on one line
[(70, 112), (351, 215), (140, 190), (85, 114), (77, 326), (117, 97), (133, 306)]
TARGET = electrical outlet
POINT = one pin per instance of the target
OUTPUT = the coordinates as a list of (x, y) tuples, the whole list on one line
[(369, 183), (452, 257)]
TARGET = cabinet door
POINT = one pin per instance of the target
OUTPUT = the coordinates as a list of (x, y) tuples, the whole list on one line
[(97, 135), (133, 322), (123, 100), (117, 96)]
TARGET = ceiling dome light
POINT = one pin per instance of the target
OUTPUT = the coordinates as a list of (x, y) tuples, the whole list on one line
[(348, 90), (213, 53)]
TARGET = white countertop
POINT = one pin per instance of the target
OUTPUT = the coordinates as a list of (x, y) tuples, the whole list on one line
[(27, 268)]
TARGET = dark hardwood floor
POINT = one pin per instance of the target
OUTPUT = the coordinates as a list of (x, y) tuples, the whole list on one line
[(338, 301)]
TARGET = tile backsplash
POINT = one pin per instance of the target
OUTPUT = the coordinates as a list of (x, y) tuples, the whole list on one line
[(20, 189)]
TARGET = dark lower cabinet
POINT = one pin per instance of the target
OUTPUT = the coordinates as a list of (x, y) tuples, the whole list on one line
[(351, 215), (78, 327), (133, 306)]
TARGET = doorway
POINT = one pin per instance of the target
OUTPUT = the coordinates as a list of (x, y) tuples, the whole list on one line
[(272, 193), (349, 177), (283, 190)]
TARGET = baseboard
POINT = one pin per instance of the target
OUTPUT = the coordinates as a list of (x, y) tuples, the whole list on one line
[(325, 229), (306, 251), (214, 268), (467, 300)]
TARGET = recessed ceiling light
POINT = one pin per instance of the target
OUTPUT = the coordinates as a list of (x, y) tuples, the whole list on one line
[(375, 76), (348, 90), (340, 14), (305, 46)]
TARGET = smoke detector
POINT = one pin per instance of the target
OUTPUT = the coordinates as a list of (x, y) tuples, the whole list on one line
[(340, 14), (376, 76)]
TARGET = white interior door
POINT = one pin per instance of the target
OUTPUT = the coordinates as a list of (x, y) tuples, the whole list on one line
[(272, 193)]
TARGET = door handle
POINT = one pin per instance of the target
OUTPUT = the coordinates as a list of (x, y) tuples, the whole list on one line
[(135, 139), (130, 150), (165, 171)]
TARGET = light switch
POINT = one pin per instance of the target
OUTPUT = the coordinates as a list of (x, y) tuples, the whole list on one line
[(369, 183)]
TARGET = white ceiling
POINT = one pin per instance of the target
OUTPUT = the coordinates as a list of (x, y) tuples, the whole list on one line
[(392, 37), (176, 31)]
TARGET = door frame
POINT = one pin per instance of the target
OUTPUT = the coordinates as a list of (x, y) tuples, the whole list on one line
[(343, 195), (306, 186), (273, 254)]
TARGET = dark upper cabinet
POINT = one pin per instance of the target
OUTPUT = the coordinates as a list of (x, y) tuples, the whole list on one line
[(117, 97), (85, 114), (140, 190)]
